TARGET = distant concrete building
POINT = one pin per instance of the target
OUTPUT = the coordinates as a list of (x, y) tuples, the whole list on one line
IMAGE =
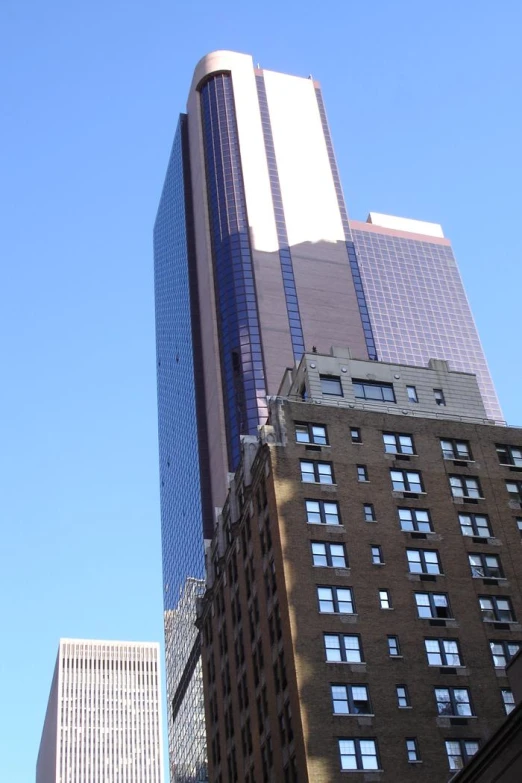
[(103, 719), (364, 581)]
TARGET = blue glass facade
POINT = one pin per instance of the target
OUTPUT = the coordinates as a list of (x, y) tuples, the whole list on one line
[(350, 248), (285, 255), (238, 319)]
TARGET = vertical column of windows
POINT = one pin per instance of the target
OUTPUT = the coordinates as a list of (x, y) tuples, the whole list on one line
[(239, 332)]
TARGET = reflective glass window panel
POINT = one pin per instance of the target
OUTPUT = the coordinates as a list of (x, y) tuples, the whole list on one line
[(442, 652), (403, 699), (322, 512), (335, 599), (412, 750), (432, 605), (415, 519), (331, 384), (475, 525), (362, 473), (459, 751), (453, 701), (406, 480), (369, 512), (508, 700), (412, 394), (393, 646), (496, 609), (485, 566), (502, 652), (379, 392)]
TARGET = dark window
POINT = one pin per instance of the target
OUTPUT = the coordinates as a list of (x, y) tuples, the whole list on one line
[(322, 512), (393, 646), (355, 433), (518, 520), (369, 512), (412, 749), (385, 599), (417, 519), (358, 754), (432, 605), (406, 481), (515, 490), (397, 443), (460, 751), (475, 525), (508, 700), (327, 554), (317, 472), (362, 473), (465, 487), (502, 652), (453, 701), (509, 455), (485, 566), (331, 384), (373, 391), (351, 700), (311, 433), (496, 608), (455, 449), (377, 557), (337, 600), (443, 652), (423, 561), (343, 647), (412, 394), (403, 697), (439, 396)]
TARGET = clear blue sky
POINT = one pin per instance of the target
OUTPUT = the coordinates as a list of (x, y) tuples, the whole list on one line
[(425, 107)]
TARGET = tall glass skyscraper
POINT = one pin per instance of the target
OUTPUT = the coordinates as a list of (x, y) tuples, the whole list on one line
[(256, 261)]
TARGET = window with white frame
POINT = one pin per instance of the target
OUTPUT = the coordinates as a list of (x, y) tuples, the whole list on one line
[(343, 648), (475, 525), (316, 472), (398, 443), (443, 652), (358, 754), (495, 608), (423, 561), (502, 652), (311, 433), (351, 700), (465, 487), (322, 512), (453, 701), (485, 566), (432, 605), (406, 481), (415, 519), (324, 553), (335, 600), (459, 752)]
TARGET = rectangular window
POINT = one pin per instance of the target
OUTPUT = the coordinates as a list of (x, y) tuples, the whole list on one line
[(351, 700), (412, 749), (459, 752), (342, 648), (465, 487), (443, 652), (439, 396), (362, 473), (322, 512), (331, 384), (485, 566), (369, 512), (423, 561), (453, 701), (475, 525), (432, 605), (355, 433), (406, 481), (316, 472), (502, 652), (328, 554), (496, 608), (508, 700), (385, 599), (515, 490), (396, 443), (335, 600), (403, 697), (393, 646), (311, 433), (415, 519), (412, 394), (455, 449), (373, 391), (518, 520), (358, 754), (509, 455), (377, 557)]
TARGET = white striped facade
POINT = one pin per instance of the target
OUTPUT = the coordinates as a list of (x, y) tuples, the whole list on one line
[(104, 715)]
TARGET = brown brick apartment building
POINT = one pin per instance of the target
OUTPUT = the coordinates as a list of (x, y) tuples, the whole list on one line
[(363, 588)]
